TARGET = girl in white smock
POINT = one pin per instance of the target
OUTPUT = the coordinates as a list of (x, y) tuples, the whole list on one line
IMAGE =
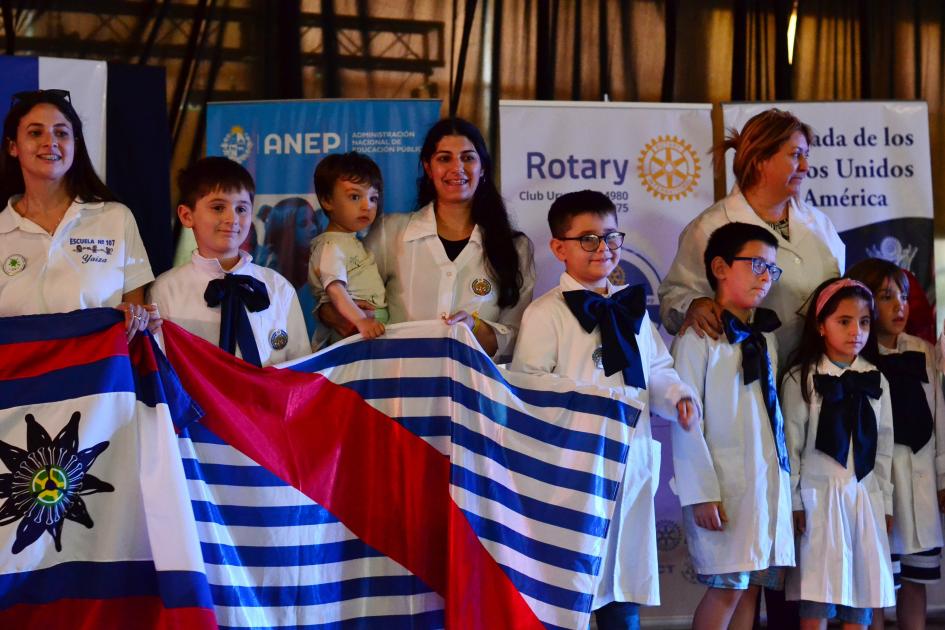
[(908, 363), (838, 424)]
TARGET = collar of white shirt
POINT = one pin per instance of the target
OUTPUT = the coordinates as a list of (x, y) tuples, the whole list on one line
[(423, 224), (567, 283), (211, 266), (11, 220)]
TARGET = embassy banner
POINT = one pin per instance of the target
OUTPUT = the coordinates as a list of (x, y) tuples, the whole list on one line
[(650, 159), (870, 172), (280, 143)]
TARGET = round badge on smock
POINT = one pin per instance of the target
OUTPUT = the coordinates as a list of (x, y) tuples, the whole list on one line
[(481, 286), (14, 264), (278, 339), (598, 357)]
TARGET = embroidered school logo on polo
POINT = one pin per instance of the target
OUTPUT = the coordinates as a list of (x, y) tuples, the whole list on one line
[(14, 264), (278, 339), (94, 250), (481, 286)]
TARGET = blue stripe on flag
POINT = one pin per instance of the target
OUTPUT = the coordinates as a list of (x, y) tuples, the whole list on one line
[(422, 348), (199, 434), (314, 594), (563, 517), (550, 594), (26, 328), (429, 619), (286, 556), (20, 74), (109, 375), (104, 580), (230, 475), (163, 387), (541, 551), (261, 516), (534, 467), (443, 386)]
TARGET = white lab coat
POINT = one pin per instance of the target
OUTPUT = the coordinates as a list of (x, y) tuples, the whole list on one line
[(843, 558), (178, 294), (92, 258), (552, 341), (918, 523), (422, 283), (814, 253), (730, 456)]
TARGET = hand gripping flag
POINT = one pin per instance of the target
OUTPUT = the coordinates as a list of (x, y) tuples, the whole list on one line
[(94, 526), (404, 481)]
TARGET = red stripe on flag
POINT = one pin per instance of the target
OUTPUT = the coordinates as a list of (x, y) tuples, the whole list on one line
[(33, 358), (95, 614), (383, 482)]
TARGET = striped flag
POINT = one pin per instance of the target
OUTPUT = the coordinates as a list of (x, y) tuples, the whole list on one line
[(418, 485), (94, 530), (399, 482)]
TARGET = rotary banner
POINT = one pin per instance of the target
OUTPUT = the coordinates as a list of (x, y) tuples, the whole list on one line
[(405, 481), (650, 159)]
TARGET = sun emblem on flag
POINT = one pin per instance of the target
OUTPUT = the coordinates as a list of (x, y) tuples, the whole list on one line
[(46, 482)]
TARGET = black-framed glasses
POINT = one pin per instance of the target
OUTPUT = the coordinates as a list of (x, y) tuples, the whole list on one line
[(31, 94), (760, 265), (591, 242)]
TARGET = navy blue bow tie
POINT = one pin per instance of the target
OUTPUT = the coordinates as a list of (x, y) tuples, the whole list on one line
[(232, 293), (619, 317), (756, 365), (912, 418), (845, 414)]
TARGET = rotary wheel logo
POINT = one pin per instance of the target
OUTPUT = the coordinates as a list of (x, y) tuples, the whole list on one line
[(668, 168), (668, 535), (46, 482)]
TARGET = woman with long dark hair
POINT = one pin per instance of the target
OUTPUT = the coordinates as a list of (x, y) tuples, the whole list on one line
[(457, 258), (65, 241)]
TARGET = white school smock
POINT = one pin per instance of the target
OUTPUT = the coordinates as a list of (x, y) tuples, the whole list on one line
[(92, 258), (422, 283), (918, 523), (178, 294), (731, 456), (843, 558), (814, 253), (552, 341)]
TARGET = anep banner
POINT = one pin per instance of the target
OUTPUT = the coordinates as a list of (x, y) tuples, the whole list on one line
[(650, 159), (870, 173), (281, 142)]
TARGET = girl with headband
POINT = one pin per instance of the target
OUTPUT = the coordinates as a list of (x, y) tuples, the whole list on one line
[(838, 424)]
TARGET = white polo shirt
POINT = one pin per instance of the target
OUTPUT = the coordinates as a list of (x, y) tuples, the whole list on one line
[(279, 330), (94, 257), (423, 283)]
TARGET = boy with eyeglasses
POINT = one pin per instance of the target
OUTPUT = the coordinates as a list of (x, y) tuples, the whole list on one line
[(589, 330), (736, 498)]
